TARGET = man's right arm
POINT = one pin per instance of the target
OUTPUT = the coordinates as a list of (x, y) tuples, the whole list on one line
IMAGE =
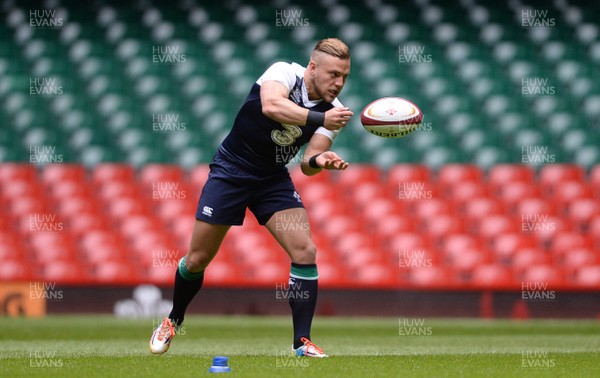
[(277, 106)]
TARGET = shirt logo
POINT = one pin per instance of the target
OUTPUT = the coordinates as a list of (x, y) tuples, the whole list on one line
[(297, 196), (287, 136), (208, 211), (296, 95)]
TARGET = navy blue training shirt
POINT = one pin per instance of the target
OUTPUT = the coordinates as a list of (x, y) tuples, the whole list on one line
[(262, 146)]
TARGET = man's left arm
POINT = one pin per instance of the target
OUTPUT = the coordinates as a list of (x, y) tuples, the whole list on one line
[(317, 156)]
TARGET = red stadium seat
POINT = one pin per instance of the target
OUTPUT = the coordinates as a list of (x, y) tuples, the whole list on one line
[(502, 174), (441, 226), (392, 224), (111, 172), (54, 173), (163, 276), (491, 276), (19, 189), (13, 269), (490, 227), (588, 277), (506, 245), (154, 173), (594, 180), (594, 229), (581, 211), (357, 173), (375, 275), (541, 277), (431, 277), (426, 210), (10, 172), (362, 256), (119, 208), (457, 242), (301, 180), (317, 192), (577, 258), (219, 273), (118, 189), (338, 226), (553, 175), (533, 206), (24, 208), (465, 261), (171, 210), (451, 174), (569, 191), (332, 275), (406, 242), (69, 189), (525, 258), (198, 177), (363, 193), (67, 272), (401, 173), (512, 193), (567, 240), (113, 272), (50, 246), (353, 241), (478, 208), (462, 193), (319, 212)]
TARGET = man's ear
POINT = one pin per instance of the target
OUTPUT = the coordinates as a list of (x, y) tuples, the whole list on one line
[(312, 66)]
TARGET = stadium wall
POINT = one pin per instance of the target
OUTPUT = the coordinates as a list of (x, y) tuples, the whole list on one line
[(486, 304)]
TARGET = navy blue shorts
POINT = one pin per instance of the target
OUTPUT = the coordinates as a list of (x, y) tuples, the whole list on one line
[(229, 190)]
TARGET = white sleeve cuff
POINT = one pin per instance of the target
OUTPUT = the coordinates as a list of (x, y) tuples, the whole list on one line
[(328, 133)]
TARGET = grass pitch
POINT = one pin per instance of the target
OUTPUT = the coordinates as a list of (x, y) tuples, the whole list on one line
[(103, 346)]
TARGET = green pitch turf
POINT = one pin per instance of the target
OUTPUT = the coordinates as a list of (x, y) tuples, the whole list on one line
[(103, 346)]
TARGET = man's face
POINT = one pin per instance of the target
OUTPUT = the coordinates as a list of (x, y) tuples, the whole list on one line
[(328, 74)]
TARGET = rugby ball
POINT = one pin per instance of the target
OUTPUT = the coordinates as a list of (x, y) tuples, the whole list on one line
[(391, 117)]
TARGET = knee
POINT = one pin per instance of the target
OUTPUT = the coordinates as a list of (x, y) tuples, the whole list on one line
[(305, 254), (197, 260)]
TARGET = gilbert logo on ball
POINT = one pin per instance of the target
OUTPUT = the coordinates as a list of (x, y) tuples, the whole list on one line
[(391, 117)]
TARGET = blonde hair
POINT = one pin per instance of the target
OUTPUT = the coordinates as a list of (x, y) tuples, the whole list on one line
[(332, 46)]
